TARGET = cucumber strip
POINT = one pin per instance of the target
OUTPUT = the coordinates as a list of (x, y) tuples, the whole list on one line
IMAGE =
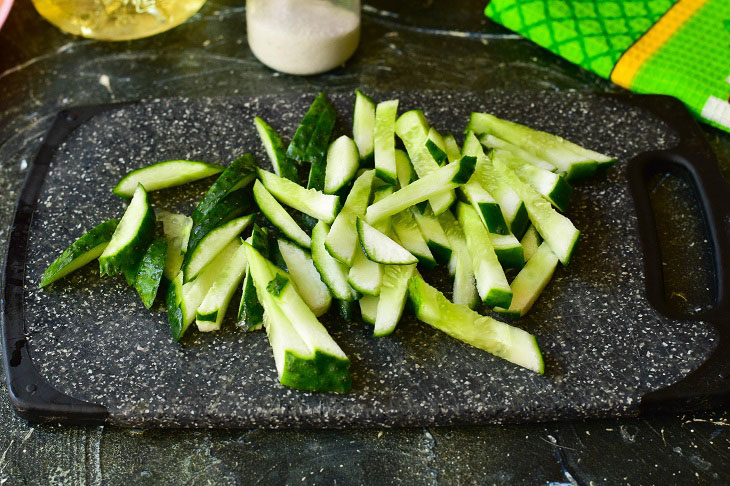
[(309, 201), (497, 143), (212, 310), (250, 311), (316, 153), (369, 308), (436, 146), (310, 141), (315, 362), (306, 278), (412, 128), (392, 300), (403, 168), (87, 248), (409, 234), (162, 175), (573, 160), (491, 281), (132, 236), (343, 160), (384, 144), (530, 242), (283, 167), (553, 187), (238, 175), (177, 233), (342, 242), (460, 322), (183, 300), (380, 248), (488, 209), (557, 230), (453, 152), (212, 244), (433, 232), (508, 249), (465, 288), (230, 207), (149, 272), (445, 178), (531, 281), (363, 124), (333, 273), (512, 207), (278, 216), (365, 275)]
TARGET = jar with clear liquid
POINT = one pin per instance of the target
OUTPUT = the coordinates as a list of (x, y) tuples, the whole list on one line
[(303, 36), (116, 19)]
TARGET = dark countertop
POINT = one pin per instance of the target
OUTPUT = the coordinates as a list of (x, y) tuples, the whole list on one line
[(446, 45)]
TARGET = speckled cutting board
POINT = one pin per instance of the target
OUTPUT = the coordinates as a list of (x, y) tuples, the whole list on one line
[(604, 346)]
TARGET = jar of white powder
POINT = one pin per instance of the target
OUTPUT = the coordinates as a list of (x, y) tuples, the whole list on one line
[(303, 36)]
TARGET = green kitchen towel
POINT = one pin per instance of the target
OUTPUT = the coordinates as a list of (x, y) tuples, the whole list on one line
[(678, 48)]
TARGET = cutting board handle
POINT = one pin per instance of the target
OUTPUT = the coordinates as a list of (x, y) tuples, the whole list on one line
[(709, 385)]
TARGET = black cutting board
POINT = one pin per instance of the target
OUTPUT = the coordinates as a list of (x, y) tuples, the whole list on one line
[(85, 350)]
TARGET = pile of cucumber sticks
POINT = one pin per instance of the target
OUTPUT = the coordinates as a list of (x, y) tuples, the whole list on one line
[(369, 216)]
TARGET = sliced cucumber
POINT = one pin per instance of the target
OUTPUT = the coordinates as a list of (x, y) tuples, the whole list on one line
[(317, 150), (309, 201), (278, 216), (512, 207), (343, 160), (492, 285), (310, 141), (333, 273), (365, 275), (306, 356), (132, 236), (363, 124), (531, 281), (212, 310), (530, 242), (557, 230), (369, 308), (403, 168), (508, 249), (412, 128), (573, 160), (392, 299), (436, 146), (250, 311), (342, 239), (306, 278), (464, 289), (177, 233), (162, 175), (384, 144), (212, 244), (380, 248), (488, 209), (497, 143), (460, 322), (87, 248), (453, 152), (443, 179), (238, 175), (283, 167), (433, 232), (409, 234), (553, 187), (149, 272)]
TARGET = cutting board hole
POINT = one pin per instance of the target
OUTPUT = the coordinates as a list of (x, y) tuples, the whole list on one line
[(685, 246)]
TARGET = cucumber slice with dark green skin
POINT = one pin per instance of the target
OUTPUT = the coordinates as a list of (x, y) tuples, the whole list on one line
[(239, 174), (343, 161), (348, 309), (87, 248), (277, 215), (315, 203), (392, 299), (230, 207), (333, 272), (149, 272), (132, 236), (212, 244), (380, 248), (464, 289), (305, 276), (363, 124), (384, 143), (317, 150), (531, 281), (162, 175), (342, 242), (464, 324), (508, 249), (177, 232), (309, 143), (250, 310), (436, 147), (283, 167), (212, 310), (175, 310)]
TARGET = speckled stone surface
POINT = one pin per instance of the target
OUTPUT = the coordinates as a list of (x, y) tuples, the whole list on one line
[(603, 345)]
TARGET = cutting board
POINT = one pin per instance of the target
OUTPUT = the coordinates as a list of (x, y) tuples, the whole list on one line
[(86, 351)]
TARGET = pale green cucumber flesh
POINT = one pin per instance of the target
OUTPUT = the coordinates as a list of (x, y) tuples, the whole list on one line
[(162, 175)]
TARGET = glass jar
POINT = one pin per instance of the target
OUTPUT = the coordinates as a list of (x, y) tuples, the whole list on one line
[(303, 36), (116, 19)]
